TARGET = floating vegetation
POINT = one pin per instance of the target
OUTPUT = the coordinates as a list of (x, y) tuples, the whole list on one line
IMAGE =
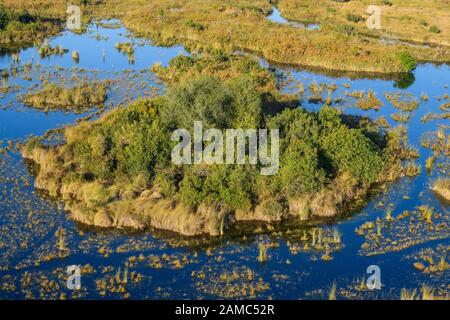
[(77, 98), (332, 294), (369, 102), (125, 47), (408, 294), (430, 162), (76, 56), (401, 117), (117, 283), (403, 231), (432, 261), (46, 50), (412, 169), (445, 106), (403, 101), (435, 116), (109, 25), (319, 243), (239, 282)]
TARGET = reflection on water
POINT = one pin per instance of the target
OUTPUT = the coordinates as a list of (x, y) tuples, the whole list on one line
[(38, 240)]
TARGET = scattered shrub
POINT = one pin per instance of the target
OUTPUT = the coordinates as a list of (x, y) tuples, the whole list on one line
[(408, 62)]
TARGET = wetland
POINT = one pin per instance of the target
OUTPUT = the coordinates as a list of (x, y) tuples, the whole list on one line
[(80, 111)]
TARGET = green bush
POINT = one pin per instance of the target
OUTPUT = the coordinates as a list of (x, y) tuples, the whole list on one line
[(191, 187), (4, 17), (435, 29), (195, 25), (350, 150), (407, 61), (300, 171), (182, 62), (204, 99)]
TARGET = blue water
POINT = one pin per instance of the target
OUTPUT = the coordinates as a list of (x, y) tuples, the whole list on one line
[(29, 219), (276, 17)]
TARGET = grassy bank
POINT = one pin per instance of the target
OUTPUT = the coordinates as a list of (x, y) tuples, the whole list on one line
[(242, 25), (420, 22), (20, 28)]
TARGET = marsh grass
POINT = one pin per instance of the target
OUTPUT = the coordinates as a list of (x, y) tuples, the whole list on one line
[(262, 256), (389, 214), (412, 169), (427, 293), (125, 47), (344, 44), (369, 102), (77, 98), (406, 294), (429, 163), (332, 292), (403, 101), (442, 187), (76, 56), (427, 213), (45, 50), (401, 117)]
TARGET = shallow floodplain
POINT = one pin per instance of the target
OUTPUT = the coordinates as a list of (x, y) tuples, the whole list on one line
[(256, 260)]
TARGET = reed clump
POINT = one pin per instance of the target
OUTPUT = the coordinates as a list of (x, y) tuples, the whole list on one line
[(442, 187), (77, 98), (46, 50)]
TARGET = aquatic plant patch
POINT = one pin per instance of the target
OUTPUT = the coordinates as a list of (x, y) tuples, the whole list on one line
[(407, 229)]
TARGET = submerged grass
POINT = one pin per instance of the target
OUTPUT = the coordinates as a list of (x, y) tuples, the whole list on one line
[(442, 187)]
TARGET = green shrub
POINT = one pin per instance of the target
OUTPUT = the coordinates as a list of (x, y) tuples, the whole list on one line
[(182, 62), (4, 17), (191, 187), (407, 61), (354, 17), (128, 143), (435, 29), (300, 171), (232, 186), (195, 25)]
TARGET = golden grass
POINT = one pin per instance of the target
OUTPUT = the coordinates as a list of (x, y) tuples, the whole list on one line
[(242, 25), (442, 187), (419, 16), (77, 98)]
